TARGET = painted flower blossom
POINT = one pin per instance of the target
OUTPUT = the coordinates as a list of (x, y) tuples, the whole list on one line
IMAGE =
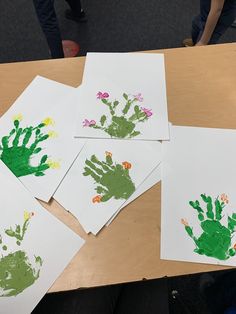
[(18, 117), (48, 121), (96, 199), (126, 165), (108, 154), (224, 198), (53, 164), (28, 215), (52, 134), (148, 112), (138, 97), (86, 122), (184, 222), (101, 95)]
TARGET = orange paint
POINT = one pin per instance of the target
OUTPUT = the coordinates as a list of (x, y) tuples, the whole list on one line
[(126, 165), (224, 198), (96, 199), (108, 154)]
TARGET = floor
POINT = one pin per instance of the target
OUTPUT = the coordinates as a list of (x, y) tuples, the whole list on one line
[(117, 25)]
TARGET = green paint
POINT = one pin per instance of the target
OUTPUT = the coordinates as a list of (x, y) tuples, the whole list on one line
[(113, 179), (19, 147), (215, 240), (16, 271), (18, 232), (122, 126)]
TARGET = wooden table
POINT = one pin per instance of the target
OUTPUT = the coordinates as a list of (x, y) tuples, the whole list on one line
[(201, 90)]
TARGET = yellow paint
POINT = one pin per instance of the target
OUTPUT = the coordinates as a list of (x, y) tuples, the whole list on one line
[(48, 121), (18, 117), (53, 164)]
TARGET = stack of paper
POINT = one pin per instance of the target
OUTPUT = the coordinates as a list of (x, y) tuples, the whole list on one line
[(122, 114), (94, 149)]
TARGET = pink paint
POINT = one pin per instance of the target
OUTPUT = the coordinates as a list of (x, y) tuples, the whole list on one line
[(86, 122), (148, 112), (138, 97), (101, 95)]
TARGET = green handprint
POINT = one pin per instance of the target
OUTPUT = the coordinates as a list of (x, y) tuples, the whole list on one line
[(21, 144), (120, 126), (16, 271), (113, 178), (215, 241)]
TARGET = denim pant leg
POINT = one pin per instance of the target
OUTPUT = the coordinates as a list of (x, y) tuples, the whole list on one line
[(221, 28), (197, 29), (48, 20)]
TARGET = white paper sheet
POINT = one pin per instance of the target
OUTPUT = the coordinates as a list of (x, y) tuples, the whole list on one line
[(139, 74), (198, 196), (42, 153), (78, 193), (34, 250)]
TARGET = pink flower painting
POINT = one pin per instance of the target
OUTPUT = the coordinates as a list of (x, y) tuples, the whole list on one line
[(86, 122), (138, 97), (148, 112), (101, 95)]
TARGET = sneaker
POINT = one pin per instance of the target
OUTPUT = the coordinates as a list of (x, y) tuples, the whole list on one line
[(234, 23), (187, 42), (79, 18)]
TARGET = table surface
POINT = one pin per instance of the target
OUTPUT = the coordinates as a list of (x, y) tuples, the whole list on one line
[(201, 91)]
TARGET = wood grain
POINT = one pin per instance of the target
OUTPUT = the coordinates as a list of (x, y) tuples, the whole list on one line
[(201, 91)]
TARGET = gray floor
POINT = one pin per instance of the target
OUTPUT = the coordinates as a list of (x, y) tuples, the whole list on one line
[(113, 25)]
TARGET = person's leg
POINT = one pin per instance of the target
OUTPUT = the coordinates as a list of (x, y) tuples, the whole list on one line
[(196, 29), (75, 13), (49, 24), (149, 297), (221, 28)]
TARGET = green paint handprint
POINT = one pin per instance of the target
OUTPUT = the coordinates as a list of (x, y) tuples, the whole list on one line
[(16, 271), (113, 178), (215, 241), (121, 126), (21, 144)]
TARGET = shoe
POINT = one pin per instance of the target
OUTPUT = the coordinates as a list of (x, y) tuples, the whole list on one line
[(234, 23), (187, 42), (79, 18)]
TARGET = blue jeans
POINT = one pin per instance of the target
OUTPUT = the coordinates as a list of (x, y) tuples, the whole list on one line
[(48, 20), (198, 25), (231, 310)]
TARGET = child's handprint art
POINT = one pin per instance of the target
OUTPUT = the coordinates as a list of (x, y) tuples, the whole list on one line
[(112, 179), (18, 148), (215, 240), (17, 272), (121, 124)]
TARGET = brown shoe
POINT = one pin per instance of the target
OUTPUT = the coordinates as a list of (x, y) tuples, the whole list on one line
[(187, 42)]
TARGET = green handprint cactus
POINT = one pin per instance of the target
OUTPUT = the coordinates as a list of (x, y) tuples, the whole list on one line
[(16, 271), (113, 179), (121, 126), (21, 144), (215, 240)]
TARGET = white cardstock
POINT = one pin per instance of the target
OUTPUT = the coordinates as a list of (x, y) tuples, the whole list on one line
[(141, 79), (36, 136), (198, 220), (35, 247), (104, 175)]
